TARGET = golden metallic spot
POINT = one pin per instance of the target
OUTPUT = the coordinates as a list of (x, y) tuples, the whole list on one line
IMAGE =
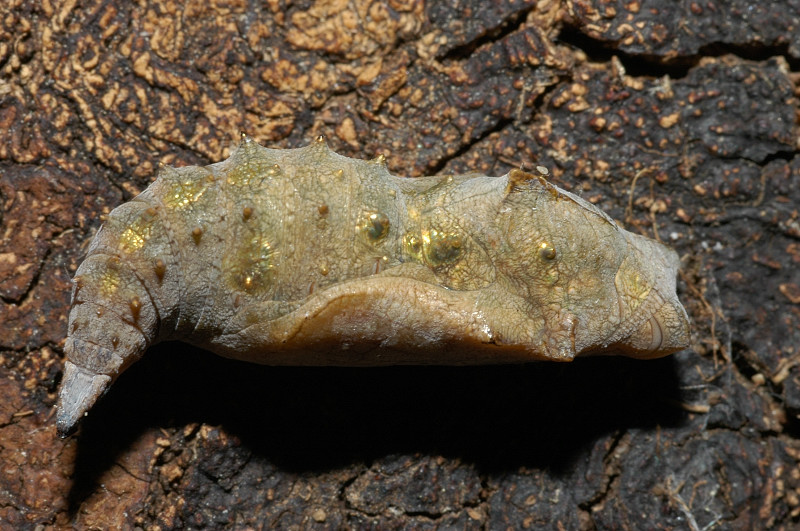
[(323, 210), (323, 269), (197, 233), (441, 247), (136, 235), (374, 225), (547, 251), (380, 159), (249, 167), (434, 248), (339, 174), (320, 139), (114, 341), (413, 246), (136, 307), (159, 268), (109, 283), (274, 170), (635, 285), (130, 240), (183, 193), (250, 267), (246, 213)]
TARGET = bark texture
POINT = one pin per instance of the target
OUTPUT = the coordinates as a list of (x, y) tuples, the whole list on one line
[(681, 122)]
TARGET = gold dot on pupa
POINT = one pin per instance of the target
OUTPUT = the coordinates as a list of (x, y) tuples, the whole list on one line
[(320, 139), (339, 173), (380, 159), (323, 269), (323, 210), (547, 251), (442, 247), (160, 268), (197, 233), (374, 225), (246, 213), (136, 306)]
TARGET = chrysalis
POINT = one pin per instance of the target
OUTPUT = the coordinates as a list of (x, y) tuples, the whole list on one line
[(306, 257)]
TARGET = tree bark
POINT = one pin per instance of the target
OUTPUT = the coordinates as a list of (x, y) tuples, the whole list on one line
[(679, 121)]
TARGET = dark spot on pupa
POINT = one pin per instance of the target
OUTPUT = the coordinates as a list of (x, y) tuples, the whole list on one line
[(197, 233), (160, 268), (547, 251), (374, 226), (136, 307)]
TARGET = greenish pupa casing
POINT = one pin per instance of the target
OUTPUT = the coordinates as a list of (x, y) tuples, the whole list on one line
[(306, 257)]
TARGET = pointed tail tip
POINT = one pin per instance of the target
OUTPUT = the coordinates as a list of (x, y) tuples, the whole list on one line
[(80, 389), (64, 426)]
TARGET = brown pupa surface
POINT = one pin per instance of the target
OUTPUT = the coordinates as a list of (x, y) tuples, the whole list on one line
[(306, 257)]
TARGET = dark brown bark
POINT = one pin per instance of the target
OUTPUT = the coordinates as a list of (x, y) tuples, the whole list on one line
[(682, 123)]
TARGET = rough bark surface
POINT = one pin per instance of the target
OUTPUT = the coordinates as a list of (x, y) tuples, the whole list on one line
[(680, 122)]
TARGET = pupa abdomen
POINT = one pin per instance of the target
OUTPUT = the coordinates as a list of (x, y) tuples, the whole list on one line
[(306, 257)]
